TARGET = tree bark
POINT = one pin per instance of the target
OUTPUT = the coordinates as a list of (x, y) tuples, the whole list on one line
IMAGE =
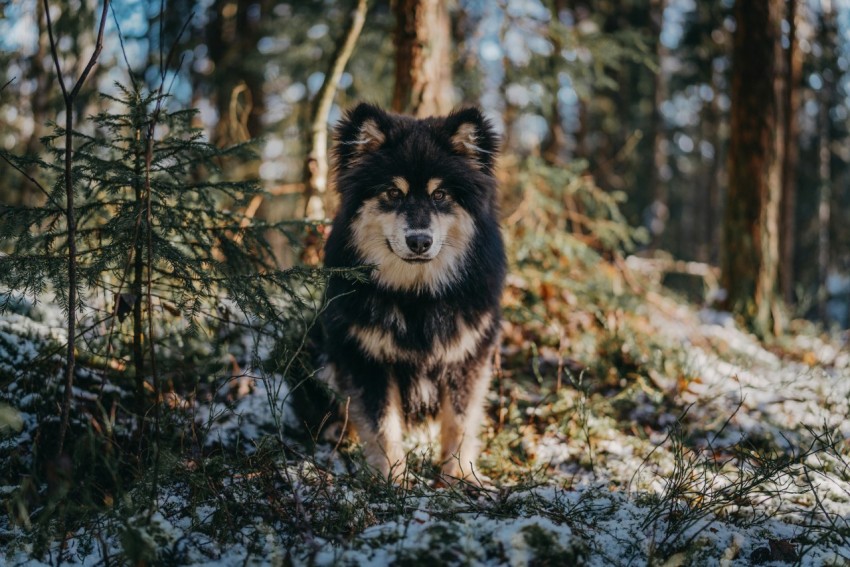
[(316, 166), (751, 224), (423, 72), (794, 70)]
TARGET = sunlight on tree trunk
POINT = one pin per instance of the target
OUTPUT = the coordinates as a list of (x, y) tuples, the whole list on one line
[(751, 226), (40, 103), (553, 148), (423, 74), (316, 166)]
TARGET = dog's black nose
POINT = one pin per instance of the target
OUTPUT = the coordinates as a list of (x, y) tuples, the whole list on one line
[(418, 243)]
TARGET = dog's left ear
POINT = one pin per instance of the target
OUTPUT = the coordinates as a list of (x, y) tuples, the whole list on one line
[(472, 135)]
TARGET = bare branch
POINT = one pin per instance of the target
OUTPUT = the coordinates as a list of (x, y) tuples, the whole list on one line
[(97, 49), (54, 52), (167, 63), (124, 50)]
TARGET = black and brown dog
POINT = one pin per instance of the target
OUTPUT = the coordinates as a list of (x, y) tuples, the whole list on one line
[(415, 341)]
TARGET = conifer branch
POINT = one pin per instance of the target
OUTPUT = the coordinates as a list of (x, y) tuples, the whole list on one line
[(35, 182)]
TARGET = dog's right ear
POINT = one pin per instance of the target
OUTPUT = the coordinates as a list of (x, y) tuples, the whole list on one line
[(361, 131)]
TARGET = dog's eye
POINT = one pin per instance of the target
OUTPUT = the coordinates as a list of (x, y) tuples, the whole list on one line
[(394, 193), (438, 195)]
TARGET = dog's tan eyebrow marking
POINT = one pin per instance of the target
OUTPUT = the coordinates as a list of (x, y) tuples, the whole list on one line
[(433, 184), (402, 184)]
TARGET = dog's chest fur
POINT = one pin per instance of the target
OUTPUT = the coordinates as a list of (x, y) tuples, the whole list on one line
[(425, 342)]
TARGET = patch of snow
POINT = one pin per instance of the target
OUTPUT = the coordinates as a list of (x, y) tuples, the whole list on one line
[(265, 409)]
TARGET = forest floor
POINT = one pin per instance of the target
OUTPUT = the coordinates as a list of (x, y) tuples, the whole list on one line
[(639, 432)]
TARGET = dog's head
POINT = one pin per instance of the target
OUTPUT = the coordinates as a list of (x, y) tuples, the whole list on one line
[(413, 192)]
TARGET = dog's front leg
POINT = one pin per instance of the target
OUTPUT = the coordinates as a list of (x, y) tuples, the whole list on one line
[(461, 414), (380, 424)]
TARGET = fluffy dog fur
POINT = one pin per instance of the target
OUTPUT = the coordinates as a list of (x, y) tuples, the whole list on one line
[(418, 203)]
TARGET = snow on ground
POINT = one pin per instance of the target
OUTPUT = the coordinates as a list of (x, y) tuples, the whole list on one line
[(262, 407), (590, 492)]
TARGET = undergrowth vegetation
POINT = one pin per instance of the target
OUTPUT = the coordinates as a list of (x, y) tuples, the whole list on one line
[(624, 426)]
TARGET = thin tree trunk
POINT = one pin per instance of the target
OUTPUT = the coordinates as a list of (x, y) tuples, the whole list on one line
[(316, 166), (716, 179), (136, 285), (553, 147), (660, 199), (232, 40), (824, 158), (423, 72), (39, 104), (70, 216), (580, 12), (788, 234), (751, 225), (582, 151)]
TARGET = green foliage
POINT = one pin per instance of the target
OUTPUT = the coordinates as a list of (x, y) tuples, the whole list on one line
[(177, 293), (190, 224), (567, 199), (570, 284)]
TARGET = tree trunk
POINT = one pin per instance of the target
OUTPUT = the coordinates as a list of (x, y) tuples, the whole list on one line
[(39, 106), (553, 147), (138, 277), (423, 73), (70, 97), (794, 70), (827, 41), (660, 206), (316, 165), (716, 178), (232, 39), (751, 224)]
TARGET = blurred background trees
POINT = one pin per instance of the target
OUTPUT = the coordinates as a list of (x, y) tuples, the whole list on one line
[(656, 98)]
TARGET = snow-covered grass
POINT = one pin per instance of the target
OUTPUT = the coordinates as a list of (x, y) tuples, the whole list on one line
[(625, 428)]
